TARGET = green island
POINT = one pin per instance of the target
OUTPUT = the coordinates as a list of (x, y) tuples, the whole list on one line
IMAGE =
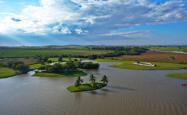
[(85, 87), (65, 74), (79, 86), (178, 75), (7, 72), (61, 68)]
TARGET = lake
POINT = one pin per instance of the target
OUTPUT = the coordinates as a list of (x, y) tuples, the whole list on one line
[(130, 92)]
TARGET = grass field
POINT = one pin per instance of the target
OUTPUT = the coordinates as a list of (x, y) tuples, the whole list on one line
[(6, 72), (85, 87), (108, 60), (178, 75), (68, 74), (35, 66), (160, 66), (179, 49), (29, 52), (158, 57)]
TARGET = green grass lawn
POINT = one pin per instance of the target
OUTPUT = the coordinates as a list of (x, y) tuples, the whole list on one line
[(6, 72), (33, 52), (85, 87), (107, 60), (180, 49), (35, 66), (53, 59), (160, 66), (178, 75), (68, 74)]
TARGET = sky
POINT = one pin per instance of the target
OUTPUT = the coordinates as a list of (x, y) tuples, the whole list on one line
[(93, 22)]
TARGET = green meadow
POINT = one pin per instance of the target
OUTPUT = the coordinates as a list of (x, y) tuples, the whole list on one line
[(178, 75), (159, 66), (6, 72), (33, 52)]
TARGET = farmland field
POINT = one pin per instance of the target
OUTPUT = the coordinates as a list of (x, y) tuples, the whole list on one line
[(158, 57), (32, 52), (170, 49)]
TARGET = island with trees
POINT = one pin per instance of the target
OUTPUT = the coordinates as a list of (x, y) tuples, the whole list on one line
[(64, 67), (80, 86)]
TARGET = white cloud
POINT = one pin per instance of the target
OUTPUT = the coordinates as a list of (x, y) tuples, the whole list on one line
[(99, 16), (79, 31), (131, 34)]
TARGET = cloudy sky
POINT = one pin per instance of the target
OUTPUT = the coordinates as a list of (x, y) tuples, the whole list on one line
[(93, 22)]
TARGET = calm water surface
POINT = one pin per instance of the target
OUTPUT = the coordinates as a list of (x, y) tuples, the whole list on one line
[(128, 93)]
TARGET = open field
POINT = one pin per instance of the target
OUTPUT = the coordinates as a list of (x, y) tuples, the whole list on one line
[(178, 75), (6, 72), (108, 60), (35, 66), (68, 74), (170, 49), (27, 61), (158, 57), (85, 87), (29, 52), (159, 66)]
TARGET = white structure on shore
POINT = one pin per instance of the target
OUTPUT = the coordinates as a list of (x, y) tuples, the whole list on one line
[(144, 64)]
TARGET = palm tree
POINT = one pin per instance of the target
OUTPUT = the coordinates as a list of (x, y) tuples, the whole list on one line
[(104, 80), (92, 79), (78, 81)]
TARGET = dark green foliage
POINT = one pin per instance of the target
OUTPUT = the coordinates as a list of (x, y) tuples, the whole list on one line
[(78, 81), (89, 65), (92, 80), (60, 58), (59, 68), (104, 79), (22, 68), (19, 66)]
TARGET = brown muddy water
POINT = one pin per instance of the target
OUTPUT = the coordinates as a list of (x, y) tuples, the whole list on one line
[(128, 93)]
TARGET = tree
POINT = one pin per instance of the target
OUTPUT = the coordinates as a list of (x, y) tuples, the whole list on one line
[(22, 68), (89, 65), (78, 81), (104, 79), (92, 79), (60, 58)]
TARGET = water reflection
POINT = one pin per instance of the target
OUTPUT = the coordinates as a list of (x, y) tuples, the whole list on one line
[(128, 93)]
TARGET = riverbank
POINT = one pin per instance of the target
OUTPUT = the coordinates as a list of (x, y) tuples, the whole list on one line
[(6, 72), (66, 74), (158, 66), (178, 75)]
